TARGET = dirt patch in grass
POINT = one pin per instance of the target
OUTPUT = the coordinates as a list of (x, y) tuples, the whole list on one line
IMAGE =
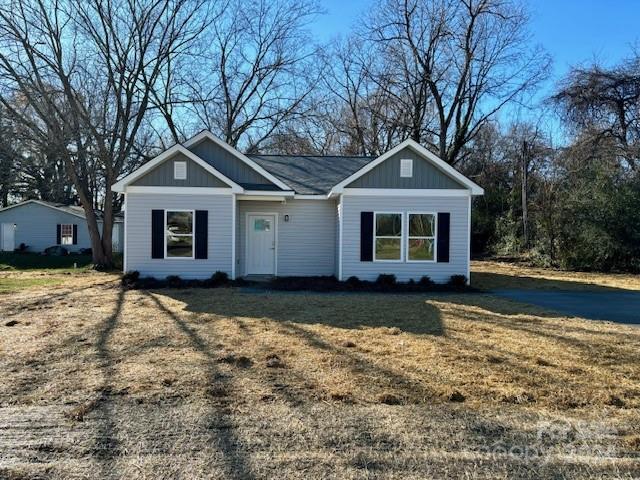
[(225, 383), (490, 275)]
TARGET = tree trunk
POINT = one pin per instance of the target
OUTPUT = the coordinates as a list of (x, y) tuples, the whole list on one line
[(100, 258)]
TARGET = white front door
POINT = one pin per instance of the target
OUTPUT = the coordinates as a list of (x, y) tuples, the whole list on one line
[(8, 237), (261, 244)]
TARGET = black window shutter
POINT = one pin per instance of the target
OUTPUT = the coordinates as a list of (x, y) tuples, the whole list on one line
[(444, 234), (157, 233), (75, 234), (202, 229), (58, 234), (366, 236)]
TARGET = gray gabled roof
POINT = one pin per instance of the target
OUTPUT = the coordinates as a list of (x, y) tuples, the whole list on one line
[(76, 210), (311, 174)]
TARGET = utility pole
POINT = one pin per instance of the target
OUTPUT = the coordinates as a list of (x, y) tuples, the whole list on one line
[(524, 195)]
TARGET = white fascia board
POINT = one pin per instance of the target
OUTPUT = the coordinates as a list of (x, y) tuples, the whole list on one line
[(405, 192), (419, 149), (269, 193), (261, 198), (311, 197), (120, 185), (180, 190), (44, 204), (206, 134)]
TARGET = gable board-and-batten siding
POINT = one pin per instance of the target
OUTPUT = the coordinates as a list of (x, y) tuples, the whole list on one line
[(227, 163), (163, 175), (387, 175), (439, 272), (36, 226), (306, 244), (220, 234)]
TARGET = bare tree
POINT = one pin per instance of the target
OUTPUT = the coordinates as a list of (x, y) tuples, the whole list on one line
[(603, 105), (452, 64), (86, 70), (257, 71), (366, 116)]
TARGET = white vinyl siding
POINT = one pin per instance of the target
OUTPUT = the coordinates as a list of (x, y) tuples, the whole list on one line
[(306, 244), (138, 242), (458, 263), (36, 226)]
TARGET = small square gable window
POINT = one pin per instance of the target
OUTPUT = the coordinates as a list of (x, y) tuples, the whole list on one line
[(180, 170), (406, 167)]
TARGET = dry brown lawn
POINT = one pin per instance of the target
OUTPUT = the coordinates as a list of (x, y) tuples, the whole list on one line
[(230, 383), (490, 275)]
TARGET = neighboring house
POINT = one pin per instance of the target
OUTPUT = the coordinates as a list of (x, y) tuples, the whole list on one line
[(203, 206), (39, 225)]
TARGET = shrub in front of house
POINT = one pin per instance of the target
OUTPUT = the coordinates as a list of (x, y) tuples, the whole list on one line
[(386, 281), (130, 279), (354, 283), (56, 251), (174, 281), (317, 284), (458, 281), (426, 282), (218, 279)]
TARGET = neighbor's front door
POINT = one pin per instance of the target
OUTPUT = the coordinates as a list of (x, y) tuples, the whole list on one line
[(7, 238), (261, 244)]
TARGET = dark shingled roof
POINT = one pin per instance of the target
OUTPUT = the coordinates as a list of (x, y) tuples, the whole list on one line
[(311, 174)]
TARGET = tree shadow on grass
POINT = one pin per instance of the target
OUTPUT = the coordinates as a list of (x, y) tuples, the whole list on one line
[(107, 447), (295, 316), (408, 313), (220, 398)]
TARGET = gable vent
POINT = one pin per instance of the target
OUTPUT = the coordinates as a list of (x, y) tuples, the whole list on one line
[(406, 168), (180, 170)]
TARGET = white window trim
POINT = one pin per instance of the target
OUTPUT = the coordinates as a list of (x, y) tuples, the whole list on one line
[(63, 236), (435, 237), (176, 164), (193, 234), (403, 161), (401, 237)]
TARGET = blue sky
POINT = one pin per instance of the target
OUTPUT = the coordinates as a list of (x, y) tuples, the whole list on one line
[(572, 31)]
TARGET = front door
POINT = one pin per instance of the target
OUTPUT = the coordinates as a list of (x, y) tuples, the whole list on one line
[(8, 240), (261, 244)]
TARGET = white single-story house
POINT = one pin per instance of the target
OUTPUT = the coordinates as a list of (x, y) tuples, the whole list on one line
[(202, 206), (38, 225)]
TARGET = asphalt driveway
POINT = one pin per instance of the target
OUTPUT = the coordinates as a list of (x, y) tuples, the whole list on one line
[(617, 306)]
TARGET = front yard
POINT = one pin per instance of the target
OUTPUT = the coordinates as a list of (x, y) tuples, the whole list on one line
[(219, 383)]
